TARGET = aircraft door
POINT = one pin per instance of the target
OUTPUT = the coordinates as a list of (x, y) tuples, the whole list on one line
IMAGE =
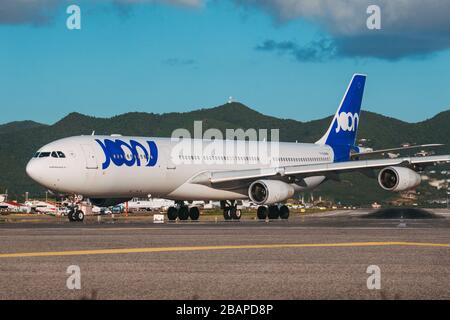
[(89, 156), (170, 166)]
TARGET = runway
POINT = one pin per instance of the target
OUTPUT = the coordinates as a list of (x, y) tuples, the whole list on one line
[(324, 256)]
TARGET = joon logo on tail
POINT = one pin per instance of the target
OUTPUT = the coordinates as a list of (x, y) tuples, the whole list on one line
[(130, 154), (346, 121)]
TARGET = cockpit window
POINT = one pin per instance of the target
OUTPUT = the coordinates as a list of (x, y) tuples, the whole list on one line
[(53, 154)]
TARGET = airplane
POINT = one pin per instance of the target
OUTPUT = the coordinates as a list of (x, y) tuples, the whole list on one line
[(114, 169)]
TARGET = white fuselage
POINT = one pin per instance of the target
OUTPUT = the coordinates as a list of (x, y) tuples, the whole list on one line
[(126, 167)]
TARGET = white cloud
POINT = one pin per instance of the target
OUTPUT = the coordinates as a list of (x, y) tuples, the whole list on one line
[(39, 12), (26, 11), (349, 16), (408, 27)]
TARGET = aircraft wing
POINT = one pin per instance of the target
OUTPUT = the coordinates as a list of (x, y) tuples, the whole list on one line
[(431, 145), (214, 177)]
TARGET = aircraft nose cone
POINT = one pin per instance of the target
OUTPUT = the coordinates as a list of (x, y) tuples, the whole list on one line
[(36, 171), (32, 170)]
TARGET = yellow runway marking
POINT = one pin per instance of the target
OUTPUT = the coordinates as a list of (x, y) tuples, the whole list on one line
[(213, 248)]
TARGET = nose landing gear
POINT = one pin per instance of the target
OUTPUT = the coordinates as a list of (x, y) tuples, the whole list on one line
[(76, 214)]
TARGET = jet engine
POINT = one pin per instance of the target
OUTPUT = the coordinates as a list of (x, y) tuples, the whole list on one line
[(270, 191), (398, 178), (105, 202)]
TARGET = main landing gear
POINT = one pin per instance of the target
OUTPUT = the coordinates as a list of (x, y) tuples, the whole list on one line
[(182, 212), (230, 210), (272, 212)]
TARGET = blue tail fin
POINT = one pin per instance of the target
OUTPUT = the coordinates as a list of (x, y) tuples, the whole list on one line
[(341, 134)]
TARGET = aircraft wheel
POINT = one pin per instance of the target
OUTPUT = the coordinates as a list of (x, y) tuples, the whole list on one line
[(172, 213), (183, 213), (261, 213), (194, 213), (79, 215), (70, 215), (235, 214), (227, 213), (284, 212), (274, 212)]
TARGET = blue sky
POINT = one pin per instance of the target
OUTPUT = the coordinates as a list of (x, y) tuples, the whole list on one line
[(160, 57)]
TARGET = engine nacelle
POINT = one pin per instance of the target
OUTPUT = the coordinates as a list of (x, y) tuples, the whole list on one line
[(270, 191), (398, 179), (105, 202)]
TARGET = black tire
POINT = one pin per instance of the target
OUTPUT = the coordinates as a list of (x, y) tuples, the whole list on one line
[(284, 212), (274, 212), (194, 213), (261, 213), (172, 213), (227, 214), (79, 216), (183, 213), (70, 215), (238, 214), (235, 214)]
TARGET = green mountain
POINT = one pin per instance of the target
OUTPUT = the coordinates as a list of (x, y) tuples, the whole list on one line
[(19, 140), (19, 125)]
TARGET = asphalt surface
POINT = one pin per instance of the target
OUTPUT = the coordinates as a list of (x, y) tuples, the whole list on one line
[(324, 256)]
